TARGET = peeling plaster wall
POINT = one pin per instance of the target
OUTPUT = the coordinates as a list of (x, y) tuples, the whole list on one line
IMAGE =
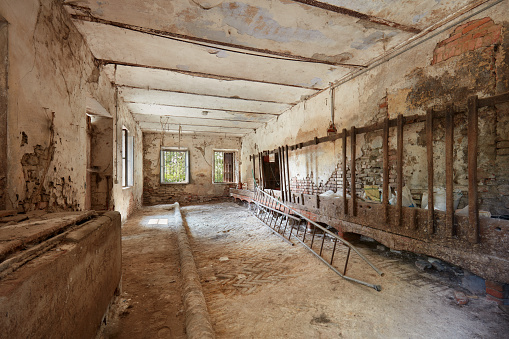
[(201, 151), (408, 84), (51, 71), (3, 110)]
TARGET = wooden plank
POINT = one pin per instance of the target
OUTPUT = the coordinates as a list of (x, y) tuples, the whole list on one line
[(429, 149), (449, 162), (399, 169), (385, 183), (343, 169), (288, 182), (473, 205), (353, 138)]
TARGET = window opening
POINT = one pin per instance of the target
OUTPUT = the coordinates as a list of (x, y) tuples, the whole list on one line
[(174, 166), (224, 167), (127, 158)]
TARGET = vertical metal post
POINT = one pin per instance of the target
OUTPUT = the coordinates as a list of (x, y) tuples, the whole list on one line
[(449, 162), (385, 183), (429, 149), (353, 193), (343, 168), (400, 168), (280, 173), (288, 175), (283, 159), (473, 205)]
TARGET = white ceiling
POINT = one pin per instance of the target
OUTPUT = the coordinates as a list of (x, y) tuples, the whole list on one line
[(213, 66)]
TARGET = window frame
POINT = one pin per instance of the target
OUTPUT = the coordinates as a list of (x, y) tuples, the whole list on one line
[(187, 168), (127, 157), (235, 166)]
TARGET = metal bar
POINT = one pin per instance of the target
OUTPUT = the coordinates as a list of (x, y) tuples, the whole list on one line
[(291, 230), (333, 250), (376, 287), (343, 168), (280, 173), (281, 212), (352, 171), (346, 262), (313, 237), (400, 169), (473, 204), (288, 174), (283, 169), (321, 246), (385, 179), (286, 225), (305, 232), (494, 100), (429, 149), (449, 160), (279, 235)]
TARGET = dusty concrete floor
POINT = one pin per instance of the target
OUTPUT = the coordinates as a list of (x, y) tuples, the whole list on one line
[(150, 305), (257, 286)]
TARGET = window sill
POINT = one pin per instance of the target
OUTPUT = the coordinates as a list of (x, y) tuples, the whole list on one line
[(126, 187), (174, 183)]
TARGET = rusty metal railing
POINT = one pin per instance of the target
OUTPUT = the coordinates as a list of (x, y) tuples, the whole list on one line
[(283, 220)]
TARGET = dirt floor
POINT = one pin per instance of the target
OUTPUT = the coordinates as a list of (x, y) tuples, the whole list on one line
[(258, 286)]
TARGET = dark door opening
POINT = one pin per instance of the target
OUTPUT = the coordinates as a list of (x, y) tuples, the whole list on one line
[(270, 170)]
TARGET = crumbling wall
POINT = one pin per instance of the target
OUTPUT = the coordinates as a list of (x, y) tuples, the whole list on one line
[(201, 151), (469, 58), (3, 110), (51, 72)]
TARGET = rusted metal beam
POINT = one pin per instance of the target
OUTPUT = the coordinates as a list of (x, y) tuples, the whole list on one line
[(352, 171), (473, 204), (283, 173), (202, 42), (204, 94), (288, 174), (399, 168), (494, 100), (260, 165), (429, 150), (343, 169), (385, 179), (359, 15), (197, 74), (449, 162), (254, 171), (280, 172)]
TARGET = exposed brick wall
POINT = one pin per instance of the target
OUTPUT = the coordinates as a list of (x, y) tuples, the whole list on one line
[(468, 37)]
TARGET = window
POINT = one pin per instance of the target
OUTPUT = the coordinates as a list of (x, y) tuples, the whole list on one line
[(224, 167), (127, 158), (174, 166)]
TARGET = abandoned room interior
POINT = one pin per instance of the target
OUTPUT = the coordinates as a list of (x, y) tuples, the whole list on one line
[(254, 169)]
